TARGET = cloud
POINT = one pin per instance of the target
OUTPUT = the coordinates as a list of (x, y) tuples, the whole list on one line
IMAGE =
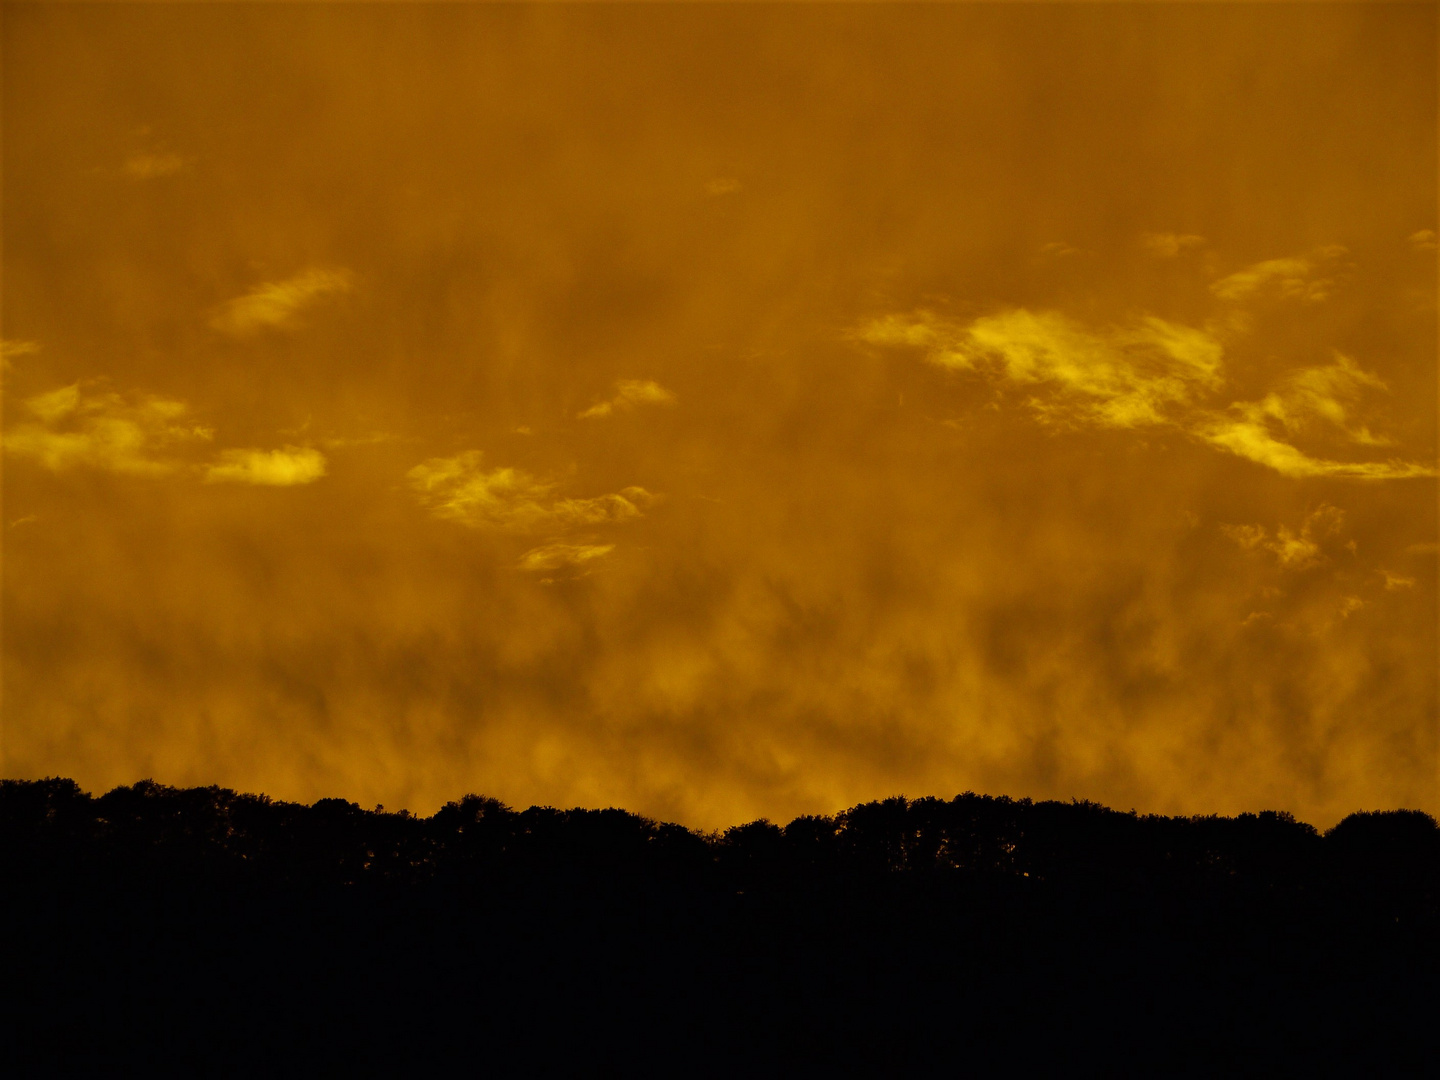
[(628, 394), (722, 185), (1293, 550), (1312, 396), (132, 434), (559, 555), (56, 405), (277, 305), (342, 442), (1122, 377), (512, 500), (278, 468), (16, 348), (1309, 279), (1326, 394), (1169, 245), (1396, 581), (1424, 240), (144, 166), (1246, 434), (1150, 372), (1058, 249), (142, 435)]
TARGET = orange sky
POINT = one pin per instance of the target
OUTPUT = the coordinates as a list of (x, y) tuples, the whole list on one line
[(724, 411)]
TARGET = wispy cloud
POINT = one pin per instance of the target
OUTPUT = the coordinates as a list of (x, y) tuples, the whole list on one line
[(1293, 549), (547, 558), (134, 434), (1424, 240), (1245, 432), (148, 166), (286, 467), (1306, 278), (628, 394), (1395, 582), (343, 442), (461, 489), (1314, 397), (1325, 394), (1122, 377), (277, 305), (16, 348), (1058, 249), (722, 185), (1305, 399), (1150, 372), (1170, 245)]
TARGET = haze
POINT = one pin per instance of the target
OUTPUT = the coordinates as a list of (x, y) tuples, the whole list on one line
[(724, 411)]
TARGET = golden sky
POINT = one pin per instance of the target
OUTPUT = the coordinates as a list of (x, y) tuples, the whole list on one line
[(724, 411)]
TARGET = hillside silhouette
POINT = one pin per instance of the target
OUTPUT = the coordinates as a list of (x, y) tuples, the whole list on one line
[(217, 931)]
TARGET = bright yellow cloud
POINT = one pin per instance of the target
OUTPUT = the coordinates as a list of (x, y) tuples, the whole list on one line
[(1150, 372), (628, 394), (277, 468), (142, 434), (512, 500), (1245, 433), (133, 434), (1121, 377), (276, 305), (1325, 395)]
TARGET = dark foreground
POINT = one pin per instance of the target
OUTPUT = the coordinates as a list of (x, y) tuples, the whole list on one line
[(208, 932)]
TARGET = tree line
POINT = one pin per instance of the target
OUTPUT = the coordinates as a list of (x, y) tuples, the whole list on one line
[(53, 824), (158, 924)]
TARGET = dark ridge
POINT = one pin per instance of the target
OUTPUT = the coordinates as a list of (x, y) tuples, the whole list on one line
[(208, 930)]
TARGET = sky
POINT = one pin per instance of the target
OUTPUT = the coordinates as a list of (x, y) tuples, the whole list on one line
[(724, 411)]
